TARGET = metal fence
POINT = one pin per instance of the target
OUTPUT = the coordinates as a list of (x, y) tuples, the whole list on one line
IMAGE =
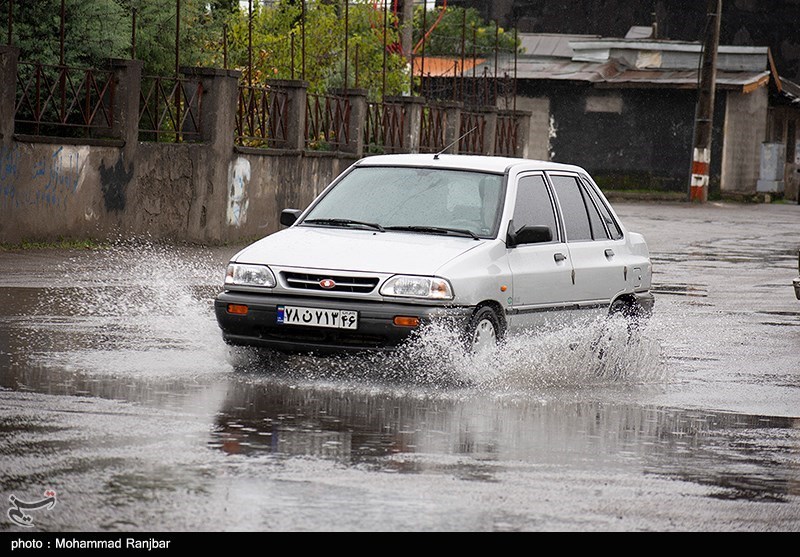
[(327, 122), (262, 117), (64, 101), (61, 100), (170, 109), (506, 134), (433, 129), (472, 133), (383, 128)]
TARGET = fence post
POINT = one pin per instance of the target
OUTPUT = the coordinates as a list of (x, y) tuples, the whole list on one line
[(296, 93), (358, 118), (217, 104), (412, 120), (453, 126), (523, 120), (126, 95), (9, 57), (490, 128)]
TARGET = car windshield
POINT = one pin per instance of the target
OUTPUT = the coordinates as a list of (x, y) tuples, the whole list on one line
[(420, 200)]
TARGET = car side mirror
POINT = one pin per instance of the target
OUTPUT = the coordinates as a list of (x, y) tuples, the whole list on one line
[(290, 216), (530, 235)]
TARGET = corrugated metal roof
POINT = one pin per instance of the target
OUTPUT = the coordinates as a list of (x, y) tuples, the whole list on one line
[(549, 45), (688, 79), (790, 90), (563, 58), (614, 73), (640, 32)]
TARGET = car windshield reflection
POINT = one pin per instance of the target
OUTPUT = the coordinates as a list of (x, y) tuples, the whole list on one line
[(412, 199)]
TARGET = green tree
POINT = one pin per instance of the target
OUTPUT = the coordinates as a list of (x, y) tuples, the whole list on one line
[(96, 30), (93, 31), (200, 32), (448, 31), (278, 39)]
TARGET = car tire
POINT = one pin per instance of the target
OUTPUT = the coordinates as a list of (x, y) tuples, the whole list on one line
[(633, 314), (483, 331)]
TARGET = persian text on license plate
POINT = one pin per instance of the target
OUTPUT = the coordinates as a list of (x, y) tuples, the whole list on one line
[(317, 317)]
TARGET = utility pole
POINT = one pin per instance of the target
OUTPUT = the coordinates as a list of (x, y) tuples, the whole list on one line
[(704, 114)]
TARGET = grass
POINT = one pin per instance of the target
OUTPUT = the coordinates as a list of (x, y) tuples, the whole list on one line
[(62, 243)]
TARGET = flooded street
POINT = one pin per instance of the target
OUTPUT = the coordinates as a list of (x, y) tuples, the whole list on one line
[(118, 394)]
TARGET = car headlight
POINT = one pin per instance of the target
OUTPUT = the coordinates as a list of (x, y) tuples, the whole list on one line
[(405, 286), (249, 275)]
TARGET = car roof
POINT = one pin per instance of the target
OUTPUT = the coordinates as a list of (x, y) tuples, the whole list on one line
[(465, 162)]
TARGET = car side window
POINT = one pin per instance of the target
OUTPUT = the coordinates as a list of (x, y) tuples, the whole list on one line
[(598, 230), (573, 208), (534, 206), (611, 224)]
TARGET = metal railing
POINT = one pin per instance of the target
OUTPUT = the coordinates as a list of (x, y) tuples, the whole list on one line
[(54, 99), (505, 137), (262, 117), (327, 122), (383, 129), (473, 126), (170, 109), (433, 129)]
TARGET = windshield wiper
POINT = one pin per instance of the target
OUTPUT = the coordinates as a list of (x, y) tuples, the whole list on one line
[(436, 230), (345, 222)]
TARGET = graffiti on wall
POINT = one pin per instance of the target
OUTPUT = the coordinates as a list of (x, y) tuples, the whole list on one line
[(49, 181), (238, 180), (114, 182)]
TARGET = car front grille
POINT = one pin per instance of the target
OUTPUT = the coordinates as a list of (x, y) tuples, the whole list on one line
[(305, 281)]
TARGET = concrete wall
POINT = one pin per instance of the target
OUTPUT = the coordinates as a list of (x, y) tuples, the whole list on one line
[(539, 133), (179, 192), (117, 186), (210, 191)]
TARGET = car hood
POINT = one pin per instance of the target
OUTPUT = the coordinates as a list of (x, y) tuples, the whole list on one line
[(357, 250)]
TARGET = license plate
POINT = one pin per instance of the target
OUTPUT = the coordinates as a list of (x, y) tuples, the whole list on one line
[(317, 317)]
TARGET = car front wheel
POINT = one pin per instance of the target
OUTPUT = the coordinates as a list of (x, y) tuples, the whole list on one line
[(483, 331)]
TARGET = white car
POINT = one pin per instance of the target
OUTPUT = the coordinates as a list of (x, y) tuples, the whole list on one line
[(796, 282), (492, 245)]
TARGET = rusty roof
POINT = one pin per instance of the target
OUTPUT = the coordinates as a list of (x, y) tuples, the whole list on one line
[(444, 66)]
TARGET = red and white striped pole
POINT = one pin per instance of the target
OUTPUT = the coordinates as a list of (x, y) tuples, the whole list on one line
[(704, 116), (701, 162)]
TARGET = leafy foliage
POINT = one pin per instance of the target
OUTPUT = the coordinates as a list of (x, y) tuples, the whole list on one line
[(93, 31), (100, 29), (457, 24), (279, 35)]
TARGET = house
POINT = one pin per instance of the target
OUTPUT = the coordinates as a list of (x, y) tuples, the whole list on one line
[(624, 108)]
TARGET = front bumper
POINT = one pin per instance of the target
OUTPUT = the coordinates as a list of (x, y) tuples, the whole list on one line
[(796, 283), (376, 329)]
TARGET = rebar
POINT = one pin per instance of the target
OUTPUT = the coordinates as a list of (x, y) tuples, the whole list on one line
[(10, 22)]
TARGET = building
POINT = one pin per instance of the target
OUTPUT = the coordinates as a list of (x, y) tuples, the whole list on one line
[(624, 108)]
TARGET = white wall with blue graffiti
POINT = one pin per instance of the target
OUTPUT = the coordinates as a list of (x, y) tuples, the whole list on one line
[(37, 177), (183, 192)]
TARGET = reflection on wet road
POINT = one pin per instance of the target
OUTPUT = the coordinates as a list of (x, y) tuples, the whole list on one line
[(119, 395)]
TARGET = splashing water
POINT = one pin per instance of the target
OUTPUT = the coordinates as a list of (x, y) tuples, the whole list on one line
[(141, 308), (602, 352), (137, 307)]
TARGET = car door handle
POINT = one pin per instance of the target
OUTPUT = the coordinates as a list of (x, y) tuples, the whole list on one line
[(559, 257), (609, 252)]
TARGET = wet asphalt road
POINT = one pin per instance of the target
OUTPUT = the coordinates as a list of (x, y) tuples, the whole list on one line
[(119, 395)]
